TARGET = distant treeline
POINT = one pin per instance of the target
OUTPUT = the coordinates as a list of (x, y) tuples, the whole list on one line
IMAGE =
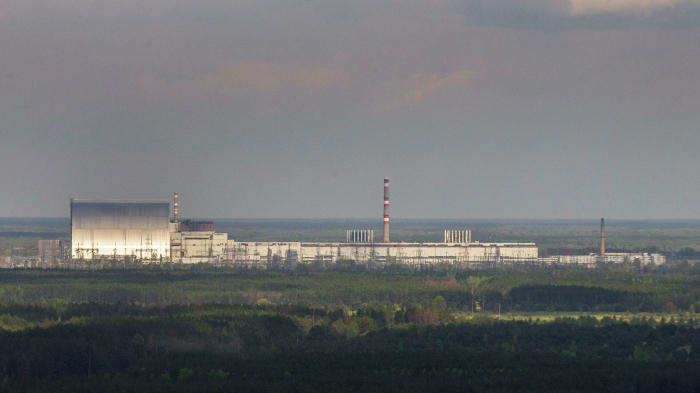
[(500, 291)]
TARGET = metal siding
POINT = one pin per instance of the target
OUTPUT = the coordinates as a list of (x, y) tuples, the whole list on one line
[(101, 227)]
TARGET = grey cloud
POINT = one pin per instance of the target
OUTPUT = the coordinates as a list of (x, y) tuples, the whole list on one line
[(544, 15), (553, 16), (299, 108)]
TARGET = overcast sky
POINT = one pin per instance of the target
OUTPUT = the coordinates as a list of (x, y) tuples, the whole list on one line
[(299, 109)]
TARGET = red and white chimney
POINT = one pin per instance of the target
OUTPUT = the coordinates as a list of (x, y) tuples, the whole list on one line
[(386, 210), (175, 206), (602, 237)]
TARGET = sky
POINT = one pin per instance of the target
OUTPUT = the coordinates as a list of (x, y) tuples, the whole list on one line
[(299, 108)]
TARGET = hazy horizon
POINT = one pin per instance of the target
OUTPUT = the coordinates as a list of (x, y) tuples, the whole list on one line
[(596, 219), (609, 222)]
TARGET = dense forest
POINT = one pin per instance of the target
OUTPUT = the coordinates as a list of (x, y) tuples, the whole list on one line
[(248, 330), (283, 348)]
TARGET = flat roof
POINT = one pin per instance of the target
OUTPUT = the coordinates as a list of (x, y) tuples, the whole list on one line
[(120, 200)]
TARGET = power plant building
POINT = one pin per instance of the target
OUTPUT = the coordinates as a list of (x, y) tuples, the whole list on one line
[(120, 229), (266, 253), (196, 241), (143, 230)]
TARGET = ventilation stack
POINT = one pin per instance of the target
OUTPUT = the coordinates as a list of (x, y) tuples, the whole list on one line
[(386, 210), (175, 208), (602, 237)]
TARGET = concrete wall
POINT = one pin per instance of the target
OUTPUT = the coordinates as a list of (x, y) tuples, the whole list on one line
[(195, 247), (121, 228), (51, 248), (415, 253)]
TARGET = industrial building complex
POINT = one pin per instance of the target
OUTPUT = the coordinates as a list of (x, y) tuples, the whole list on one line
[(143, 231)]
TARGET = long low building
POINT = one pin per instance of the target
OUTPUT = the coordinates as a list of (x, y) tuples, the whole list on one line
[(212, 247), (406, 253)]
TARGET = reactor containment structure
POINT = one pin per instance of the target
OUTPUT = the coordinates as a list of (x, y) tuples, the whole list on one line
[(120, 229)]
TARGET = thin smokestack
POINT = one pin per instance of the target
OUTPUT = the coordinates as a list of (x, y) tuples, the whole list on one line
[(175, 208), (386, 210), (602, 237)]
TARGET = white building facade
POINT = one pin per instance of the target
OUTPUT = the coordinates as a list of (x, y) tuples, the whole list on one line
[(120, 229)]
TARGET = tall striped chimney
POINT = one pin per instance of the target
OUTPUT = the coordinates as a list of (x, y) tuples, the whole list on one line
[(602, 237), (175, 208), (386, 210)]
